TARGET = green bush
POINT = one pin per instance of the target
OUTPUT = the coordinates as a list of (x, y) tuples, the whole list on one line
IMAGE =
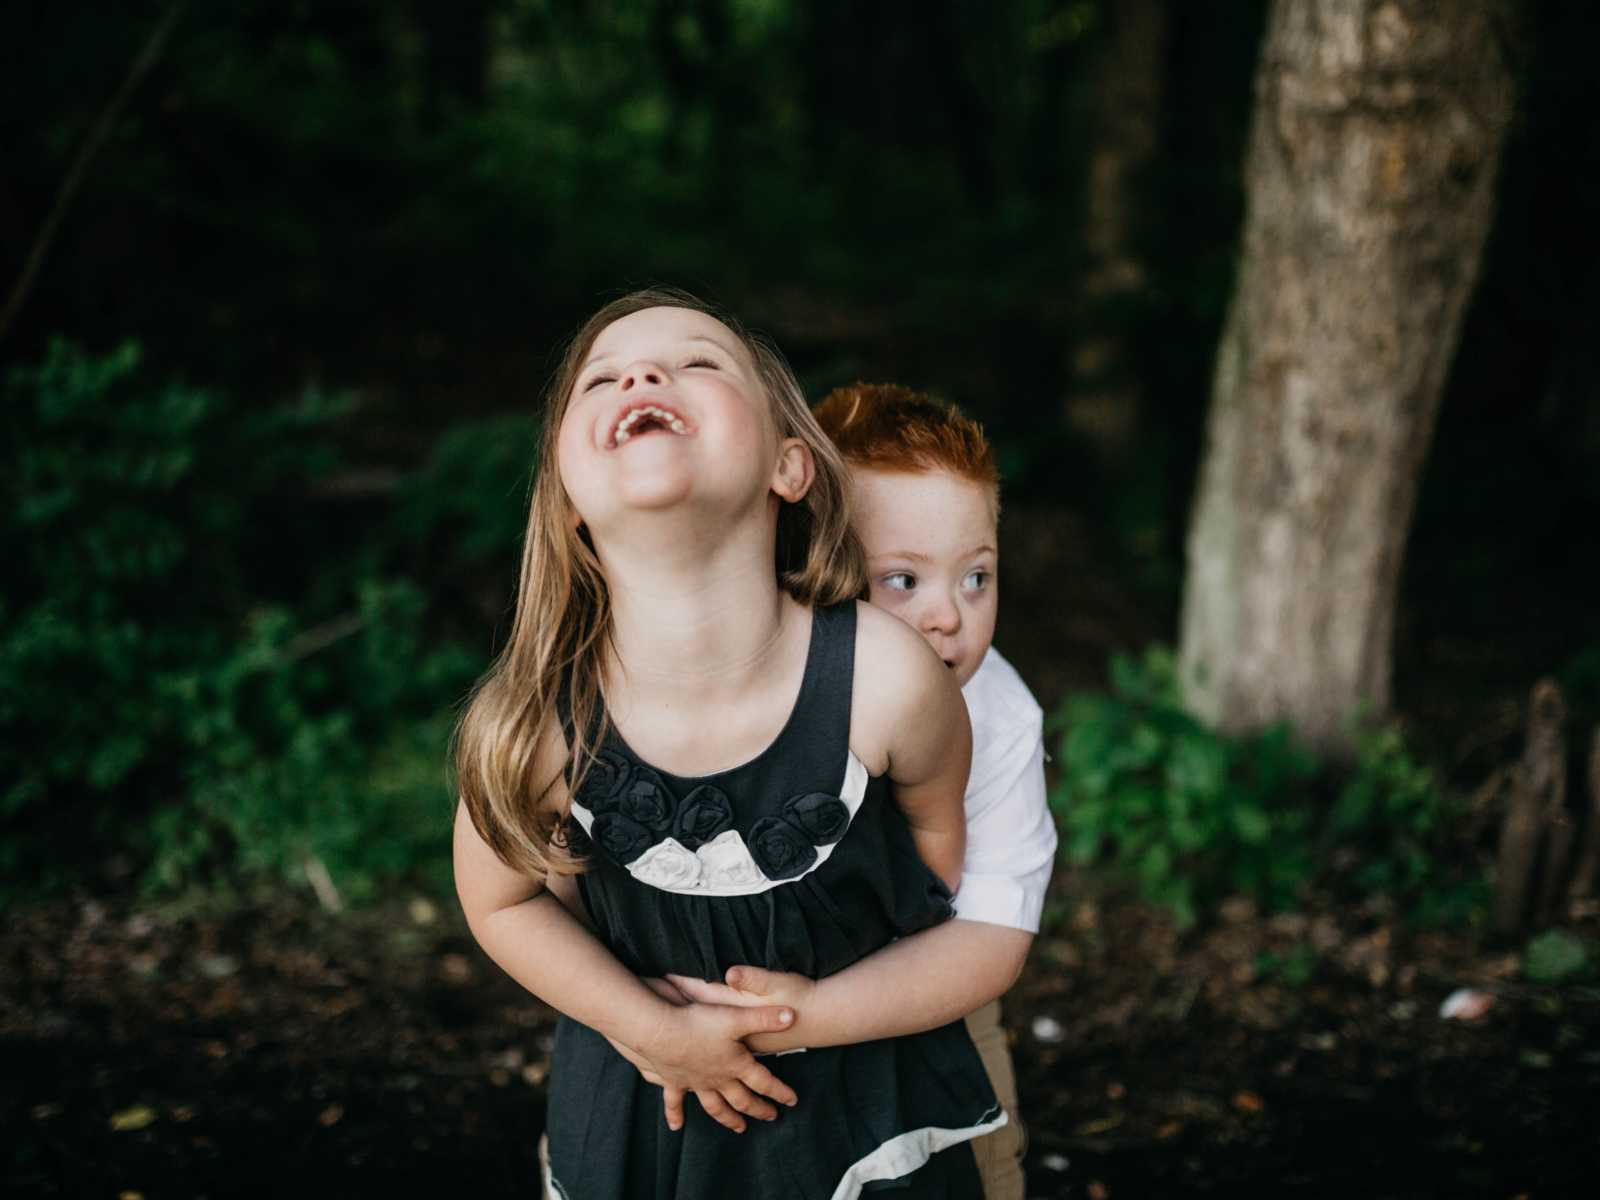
[(196, 673), (1191, 815), (1394, 814), (1186, 813)]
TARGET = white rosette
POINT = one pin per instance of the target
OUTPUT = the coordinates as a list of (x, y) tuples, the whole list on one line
[(727, 863), (668, 865)]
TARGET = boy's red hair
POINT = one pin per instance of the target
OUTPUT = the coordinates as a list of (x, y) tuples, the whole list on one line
[(890, 428)]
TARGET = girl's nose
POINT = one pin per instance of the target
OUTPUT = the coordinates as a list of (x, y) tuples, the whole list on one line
[(941, 616), (641, 373)]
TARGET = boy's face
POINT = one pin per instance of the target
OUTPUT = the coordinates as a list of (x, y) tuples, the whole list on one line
[(931, 557)]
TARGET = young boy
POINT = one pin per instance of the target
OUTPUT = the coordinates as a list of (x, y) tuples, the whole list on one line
[(927, 507)]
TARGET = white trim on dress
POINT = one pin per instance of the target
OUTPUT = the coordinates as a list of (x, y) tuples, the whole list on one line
[(904, 1153)]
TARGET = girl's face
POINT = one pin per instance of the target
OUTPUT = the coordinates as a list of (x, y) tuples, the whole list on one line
[(666, 410)]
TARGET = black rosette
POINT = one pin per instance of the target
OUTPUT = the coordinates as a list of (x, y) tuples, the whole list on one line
[(647, 801), (823, 817), (704, 813), (621, 837), (780, 849), (603, 783)]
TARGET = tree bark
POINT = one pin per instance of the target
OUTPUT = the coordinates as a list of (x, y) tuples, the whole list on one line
[(1588, 867), (1370, 185), (1539, 789)]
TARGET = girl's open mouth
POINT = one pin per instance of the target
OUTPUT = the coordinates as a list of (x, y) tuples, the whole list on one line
[(646, 418)]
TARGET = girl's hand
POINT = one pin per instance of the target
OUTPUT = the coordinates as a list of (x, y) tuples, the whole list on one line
[(754, 986), (700, 1048), (671, 995)]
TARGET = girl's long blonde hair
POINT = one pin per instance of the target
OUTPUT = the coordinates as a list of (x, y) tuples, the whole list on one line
[(563, 613)]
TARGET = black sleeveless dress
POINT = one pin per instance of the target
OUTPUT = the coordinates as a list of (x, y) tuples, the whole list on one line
[(796, 861)]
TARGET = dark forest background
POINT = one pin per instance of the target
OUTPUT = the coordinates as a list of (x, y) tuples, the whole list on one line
[(303, 270)]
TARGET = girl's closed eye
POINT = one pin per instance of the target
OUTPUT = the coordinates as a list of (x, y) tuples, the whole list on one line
[(702, 361), (596, 381), (900, 581)]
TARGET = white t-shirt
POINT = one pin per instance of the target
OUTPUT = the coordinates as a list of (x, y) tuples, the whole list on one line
[(1011, 840)]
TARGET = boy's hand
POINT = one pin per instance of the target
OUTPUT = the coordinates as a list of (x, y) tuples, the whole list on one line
[(748, 987), (700, 1049)]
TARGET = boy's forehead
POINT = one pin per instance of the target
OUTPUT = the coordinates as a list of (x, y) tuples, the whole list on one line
[(928, 512)]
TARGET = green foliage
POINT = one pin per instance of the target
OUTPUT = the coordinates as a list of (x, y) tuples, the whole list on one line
[(1187, 814), (1556, 957), (1190, 815), (469, 503), (1398, 818), (1294, 967), (190, 666)]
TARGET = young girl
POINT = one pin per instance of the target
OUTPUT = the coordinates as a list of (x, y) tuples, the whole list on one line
[(716, 750)]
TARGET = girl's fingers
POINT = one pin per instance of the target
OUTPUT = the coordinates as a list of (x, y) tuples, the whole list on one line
[(747, 1102), (720, 1111), (701, 992), (672, 1103), (765, 1019), (667, 989), (758, 1079)]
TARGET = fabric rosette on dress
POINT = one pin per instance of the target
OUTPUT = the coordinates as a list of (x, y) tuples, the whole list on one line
[(690, 845)]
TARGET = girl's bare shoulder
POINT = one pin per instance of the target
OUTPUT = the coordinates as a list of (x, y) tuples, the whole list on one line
[(895, 671)]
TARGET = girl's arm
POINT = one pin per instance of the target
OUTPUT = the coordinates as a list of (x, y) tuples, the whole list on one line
[(525, 929), (912, 715)]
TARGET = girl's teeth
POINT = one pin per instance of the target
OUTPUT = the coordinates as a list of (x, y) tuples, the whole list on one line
[(622, 436), (678, 427)]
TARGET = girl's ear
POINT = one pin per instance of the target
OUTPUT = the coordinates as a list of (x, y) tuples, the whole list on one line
[(795, 471)]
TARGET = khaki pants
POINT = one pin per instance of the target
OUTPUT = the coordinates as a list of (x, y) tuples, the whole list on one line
[(999, 1154)]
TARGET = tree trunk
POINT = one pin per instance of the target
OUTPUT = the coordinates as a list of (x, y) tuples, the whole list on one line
[(1370, 184), (1539, 790), (1588, 868)]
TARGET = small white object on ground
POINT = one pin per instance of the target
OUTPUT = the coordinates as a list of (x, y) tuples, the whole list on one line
[(1054, 1162), (1048, 1029), (1466, 1004)]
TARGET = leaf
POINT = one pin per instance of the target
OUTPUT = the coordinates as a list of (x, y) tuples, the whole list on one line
[(1252, 825), (1555, 956), (130, 1119)]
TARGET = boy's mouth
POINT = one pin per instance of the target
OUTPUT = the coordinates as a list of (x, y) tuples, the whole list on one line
[(645, 418)]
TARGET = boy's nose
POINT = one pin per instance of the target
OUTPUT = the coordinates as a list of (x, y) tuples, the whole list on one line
[(941, 616), (641, 373)]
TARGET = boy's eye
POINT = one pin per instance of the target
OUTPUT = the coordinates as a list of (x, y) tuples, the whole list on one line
[(900, 581), (597, 381), (976, 580)]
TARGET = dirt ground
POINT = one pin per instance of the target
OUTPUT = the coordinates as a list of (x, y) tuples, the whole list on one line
[(278, 1050)]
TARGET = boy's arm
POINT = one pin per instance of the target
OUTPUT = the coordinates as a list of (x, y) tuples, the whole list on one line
[(916, 983), (536, 941), (912, 707), (910, 985)]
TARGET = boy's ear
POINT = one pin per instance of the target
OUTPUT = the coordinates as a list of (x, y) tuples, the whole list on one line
[(791, 480)]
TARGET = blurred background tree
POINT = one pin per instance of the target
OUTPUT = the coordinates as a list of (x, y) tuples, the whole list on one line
[(346, 238)]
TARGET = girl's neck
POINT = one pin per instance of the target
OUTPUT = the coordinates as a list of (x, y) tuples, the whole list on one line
[(695, 615)]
